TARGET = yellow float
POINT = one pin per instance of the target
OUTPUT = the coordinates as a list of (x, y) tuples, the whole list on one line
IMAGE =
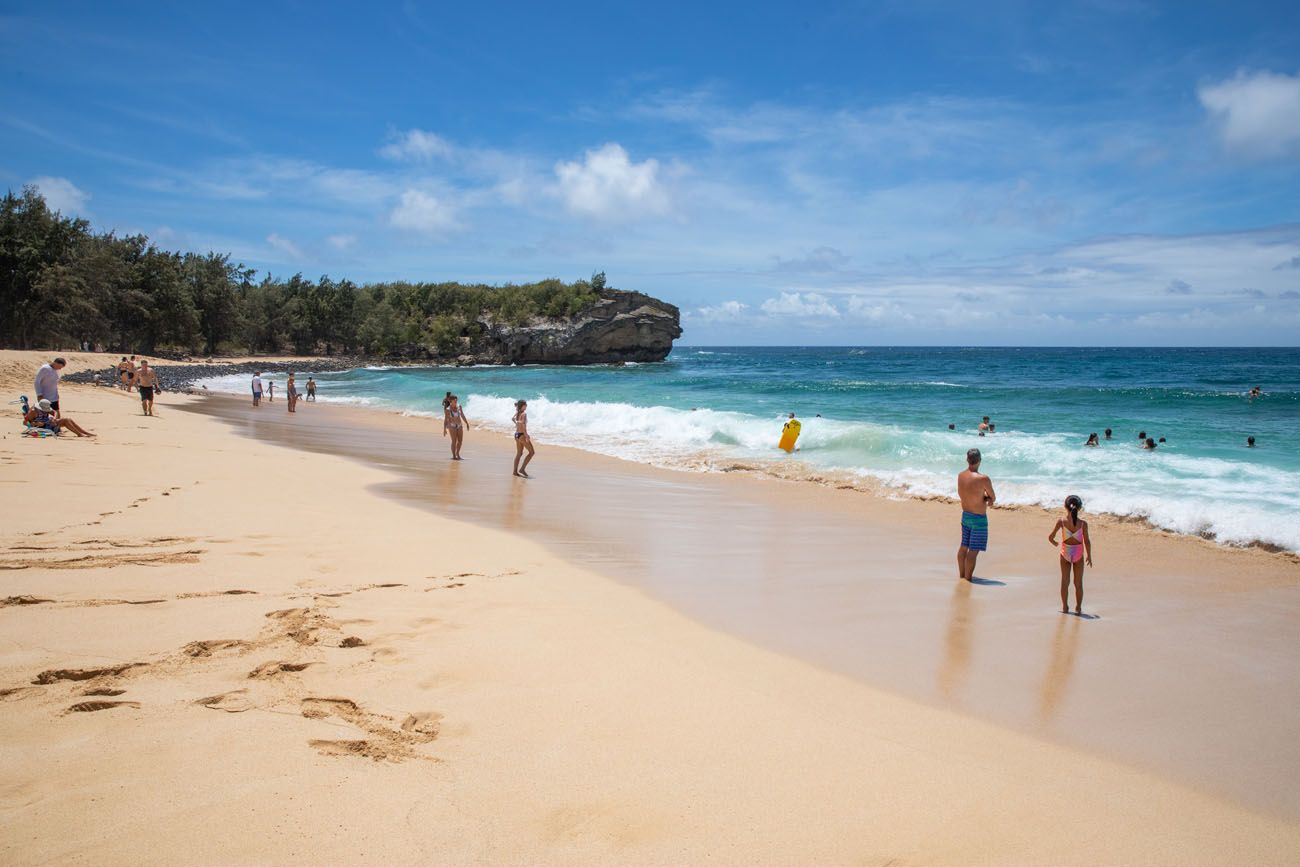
[(789, 434)]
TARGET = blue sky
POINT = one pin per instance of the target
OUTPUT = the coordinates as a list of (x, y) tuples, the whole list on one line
[(1102, 172)]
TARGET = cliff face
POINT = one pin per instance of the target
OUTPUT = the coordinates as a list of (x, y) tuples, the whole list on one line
[(621, 326)]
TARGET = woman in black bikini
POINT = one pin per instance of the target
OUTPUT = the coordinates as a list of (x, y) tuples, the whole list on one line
[(522, 439)]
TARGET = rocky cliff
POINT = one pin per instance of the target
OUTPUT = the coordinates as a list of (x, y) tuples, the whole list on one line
[(620, 326)]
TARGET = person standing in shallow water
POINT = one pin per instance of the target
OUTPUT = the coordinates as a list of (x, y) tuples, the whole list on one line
[(291, 391), (522, 440), (975, 490), (454, 424), (1076, 549)]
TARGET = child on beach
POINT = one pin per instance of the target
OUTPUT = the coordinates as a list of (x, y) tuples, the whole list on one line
[(522, 439), (455, 423), (1075, 549)]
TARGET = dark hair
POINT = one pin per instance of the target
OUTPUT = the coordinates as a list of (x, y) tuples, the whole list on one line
[(973, 457), (60, 360), (1250, 441), (1151, 443), (520, 403), (952, 427), (1108, 431), (1072, 505), (1142, 435), (1162, 439), (446, 401)]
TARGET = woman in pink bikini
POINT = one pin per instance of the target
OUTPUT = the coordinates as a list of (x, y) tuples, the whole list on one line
[(1075, 548)]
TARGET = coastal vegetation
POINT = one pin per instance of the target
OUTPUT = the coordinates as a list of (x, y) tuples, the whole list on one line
[(63, 283)]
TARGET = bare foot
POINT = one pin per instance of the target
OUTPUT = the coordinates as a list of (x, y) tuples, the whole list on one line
[(1065, 610), (1078, 611)]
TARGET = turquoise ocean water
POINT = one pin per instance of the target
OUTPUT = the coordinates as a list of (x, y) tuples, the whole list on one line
[(884, 416)]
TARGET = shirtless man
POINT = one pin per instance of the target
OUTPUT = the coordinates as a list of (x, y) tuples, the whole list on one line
[(985, 426), (146, 382), (975, 490)]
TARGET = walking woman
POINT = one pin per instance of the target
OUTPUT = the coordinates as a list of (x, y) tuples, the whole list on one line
[(522, 440), (1075, 550), (455, 423)]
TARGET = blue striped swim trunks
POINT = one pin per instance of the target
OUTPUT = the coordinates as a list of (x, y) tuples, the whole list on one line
[(974, 531)]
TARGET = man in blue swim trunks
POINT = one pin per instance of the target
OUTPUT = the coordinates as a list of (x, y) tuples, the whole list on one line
[(975, 490)]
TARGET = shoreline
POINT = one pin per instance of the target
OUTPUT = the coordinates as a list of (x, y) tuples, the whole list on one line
[(503, 705), (651, 529)]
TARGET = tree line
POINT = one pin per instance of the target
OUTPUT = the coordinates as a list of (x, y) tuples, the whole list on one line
[(63, 284)]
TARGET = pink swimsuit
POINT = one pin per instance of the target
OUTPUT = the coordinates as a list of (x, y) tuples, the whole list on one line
[(1072, 544)]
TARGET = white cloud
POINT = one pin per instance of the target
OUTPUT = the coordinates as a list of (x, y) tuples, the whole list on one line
[(418, 145), (421, 212), (801, 304), (285, 246), (1257, 114), (727, 311), (875, 310), (608, 185), (61, 194), (341, 242)]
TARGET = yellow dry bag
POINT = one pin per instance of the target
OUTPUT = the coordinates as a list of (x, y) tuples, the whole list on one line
[(789, 434)]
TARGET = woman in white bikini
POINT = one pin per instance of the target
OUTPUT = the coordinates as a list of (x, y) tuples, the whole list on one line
[(522, 439), (454, 423)]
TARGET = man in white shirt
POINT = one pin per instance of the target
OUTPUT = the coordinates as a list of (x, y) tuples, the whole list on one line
[(47, 383), (257, 389)]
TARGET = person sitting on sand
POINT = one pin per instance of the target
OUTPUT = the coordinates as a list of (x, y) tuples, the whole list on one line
[(291, 392), (454, 423), (42, 416), (146, 381), (975, 490), (1076, 549), (257, 389), (311, 389), (522, 439), (1149, 445), (1092, 440)]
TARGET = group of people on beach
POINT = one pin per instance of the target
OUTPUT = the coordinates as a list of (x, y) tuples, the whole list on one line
[(975, 491), (291, 390), (455, 423)]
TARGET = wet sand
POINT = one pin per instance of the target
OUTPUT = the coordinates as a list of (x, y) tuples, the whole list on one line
[(1185, 664)]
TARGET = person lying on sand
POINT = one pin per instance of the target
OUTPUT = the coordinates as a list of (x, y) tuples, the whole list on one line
[(42, 416)]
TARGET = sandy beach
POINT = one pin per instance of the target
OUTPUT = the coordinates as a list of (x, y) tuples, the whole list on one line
[(236, 636)]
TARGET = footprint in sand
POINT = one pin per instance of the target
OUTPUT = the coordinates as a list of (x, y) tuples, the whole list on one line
[(352, 641), (55, 675), (236, 701), (386, 741), (18, 693), (199, 649), (103, 690), (271, 669), (89, 706)]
